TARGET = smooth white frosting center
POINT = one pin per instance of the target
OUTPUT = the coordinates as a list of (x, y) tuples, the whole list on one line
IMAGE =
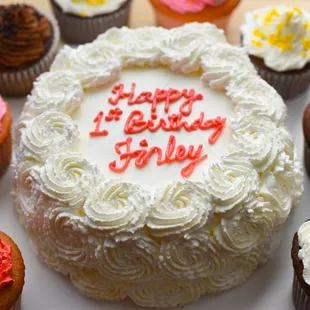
[(101, 150)]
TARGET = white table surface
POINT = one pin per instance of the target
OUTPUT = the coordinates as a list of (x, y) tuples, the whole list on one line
[(269, 288)]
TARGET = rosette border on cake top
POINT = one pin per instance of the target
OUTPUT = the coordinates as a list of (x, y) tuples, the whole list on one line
[(168, 246)]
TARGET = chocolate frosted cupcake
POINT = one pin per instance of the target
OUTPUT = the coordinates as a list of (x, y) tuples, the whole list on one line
[(81, 21), (278, 43), (301, 263), (12, 274), (5, 136), (29, 42)]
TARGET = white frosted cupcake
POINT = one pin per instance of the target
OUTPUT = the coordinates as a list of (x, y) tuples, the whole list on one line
[(278, 43), (81, 21)]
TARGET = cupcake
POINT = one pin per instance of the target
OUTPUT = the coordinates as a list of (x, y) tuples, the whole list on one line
[(174, 13), (12, 274), (29, 42), (278, 43), (5, 137), (81, 21), (301, 264)]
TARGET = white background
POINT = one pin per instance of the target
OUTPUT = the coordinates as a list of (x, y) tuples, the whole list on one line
[(269, 288)]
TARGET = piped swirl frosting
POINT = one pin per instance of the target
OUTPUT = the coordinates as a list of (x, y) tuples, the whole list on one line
[(280, 36), (5, 264), (25, 36), (166, 246), (190, 6)]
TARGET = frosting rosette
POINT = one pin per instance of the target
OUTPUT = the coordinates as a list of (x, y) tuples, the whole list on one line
[(5, 264), (166, 293), (183, 47), (242, 270), (92, 284), (253, 95), (116, 206), (66, 241), (47, 133), (55, 91), (231, 182), (132, 260), (239, 234), (179, 207), (194, 256), (93, 64), (223, 62), (256, 140), (136, 47), (67, 178)]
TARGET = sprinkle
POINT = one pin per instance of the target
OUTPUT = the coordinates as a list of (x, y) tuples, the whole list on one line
[(304, 54), (84, 14), (257, 43), (258, 33)]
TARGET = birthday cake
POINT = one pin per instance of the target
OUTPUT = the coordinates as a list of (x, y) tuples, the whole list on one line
[(154, 164)]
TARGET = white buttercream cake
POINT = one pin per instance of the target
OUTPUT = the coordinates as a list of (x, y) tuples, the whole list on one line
[(154, 164)]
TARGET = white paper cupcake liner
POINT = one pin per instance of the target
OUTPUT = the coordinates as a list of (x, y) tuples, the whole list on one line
[(288, 85), (78, 30), (20, 82)]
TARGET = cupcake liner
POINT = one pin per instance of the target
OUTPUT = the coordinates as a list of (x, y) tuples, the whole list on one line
[(169, 22), (20, 82), (288, 85), (5, 154), (18, 303), (79, 30), (5, 142), (300, 298), (307, 158)]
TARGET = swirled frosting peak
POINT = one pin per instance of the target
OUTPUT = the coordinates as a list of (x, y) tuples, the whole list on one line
[(190, 6), (5, 264), (280, 35), (25, 36)]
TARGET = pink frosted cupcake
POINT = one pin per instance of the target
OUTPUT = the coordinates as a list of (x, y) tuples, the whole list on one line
[(174, 13)]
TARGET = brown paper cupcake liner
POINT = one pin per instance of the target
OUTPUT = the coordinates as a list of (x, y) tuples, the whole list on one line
[(300, 298), (288, 85), (20, 82), (79, 30), (307, 158)]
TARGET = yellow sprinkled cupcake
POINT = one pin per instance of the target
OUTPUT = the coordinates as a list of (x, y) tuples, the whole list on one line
[(278, 43)]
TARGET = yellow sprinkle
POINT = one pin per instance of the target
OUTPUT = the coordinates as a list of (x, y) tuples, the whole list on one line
[(297, 10), (90, 2), (256, 16), (268, 18), (257, 43), (258, 33), (84, 14), (306, 43), (304, 54)]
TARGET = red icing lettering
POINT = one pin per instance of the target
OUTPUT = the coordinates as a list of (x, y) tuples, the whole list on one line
[(160, 95), (136, 123), (97, 132), (172, 154)]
